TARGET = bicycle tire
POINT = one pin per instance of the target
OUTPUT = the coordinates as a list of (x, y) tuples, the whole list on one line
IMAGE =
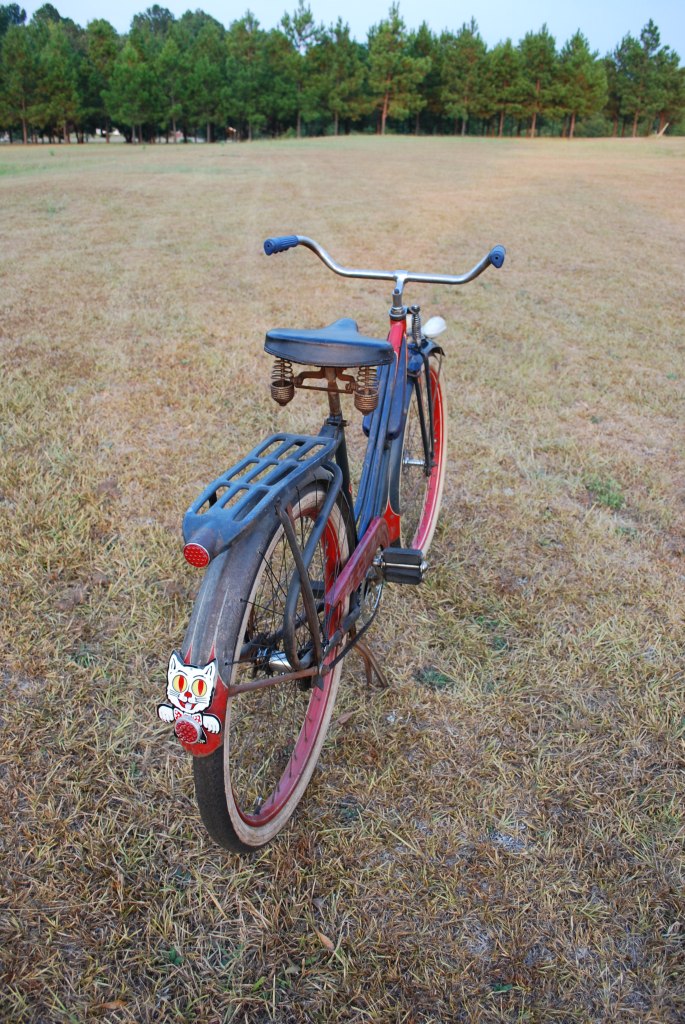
[(248, 789), (417, 495)]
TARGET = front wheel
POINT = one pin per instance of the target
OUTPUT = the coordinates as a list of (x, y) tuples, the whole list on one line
[(418, 475), (248, 789)]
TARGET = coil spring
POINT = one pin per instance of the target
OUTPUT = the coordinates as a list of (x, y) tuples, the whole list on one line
[(282, 385), (416, 324), (366, 389)]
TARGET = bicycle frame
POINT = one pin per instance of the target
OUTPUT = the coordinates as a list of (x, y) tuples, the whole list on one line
[(267, 480), (298, 565)]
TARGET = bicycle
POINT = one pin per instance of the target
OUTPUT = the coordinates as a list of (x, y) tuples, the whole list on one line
[(296, 566)]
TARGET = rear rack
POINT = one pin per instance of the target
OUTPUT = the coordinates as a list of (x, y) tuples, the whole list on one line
[(233, 503)]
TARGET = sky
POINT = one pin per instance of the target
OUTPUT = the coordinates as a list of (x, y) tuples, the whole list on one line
[(604, 22)]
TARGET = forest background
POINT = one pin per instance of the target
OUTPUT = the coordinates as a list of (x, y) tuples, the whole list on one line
[(192, 79)]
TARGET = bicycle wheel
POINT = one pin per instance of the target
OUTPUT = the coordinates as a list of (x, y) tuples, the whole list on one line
[(417, 485), (250, 786)]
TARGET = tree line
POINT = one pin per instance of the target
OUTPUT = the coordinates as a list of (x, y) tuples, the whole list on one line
[(190, 77)]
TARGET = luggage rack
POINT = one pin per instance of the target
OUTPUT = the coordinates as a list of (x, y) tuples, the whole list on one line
[(233, 503)]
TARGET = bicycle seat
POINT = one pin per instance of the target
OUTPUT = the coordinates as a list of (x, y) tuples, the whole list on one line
[(339, 345)]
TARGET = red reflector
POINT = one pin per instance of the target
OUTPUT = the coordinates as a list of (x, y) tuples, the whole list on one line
[(196, 555), (188, 732)]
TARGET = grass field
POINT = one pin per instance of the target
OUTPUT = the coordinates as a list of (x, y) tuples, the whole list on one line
[(499, 836)]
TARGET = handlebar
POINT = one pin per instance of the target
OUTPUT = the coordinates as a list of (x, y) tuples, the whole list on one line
[(494, 258)]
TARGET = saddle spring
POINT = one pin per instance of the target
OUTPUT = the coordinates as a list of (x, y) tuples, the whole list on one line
[(282, 383), (366, 390)]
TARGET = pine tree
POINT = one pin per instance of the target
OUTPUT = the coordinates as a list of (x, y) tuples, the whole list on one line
[(340, 74), (60, 101), (207, 77), (670, 88), (130, 97), (650, 80), (247, 75), (18, 73), (101, 49), (538, 66), (171, 73), (464, 69), (505, 83), (156, 23), (582, 81), (11, 14), (612, 108), (395, 77), (303, 34), (638, 77), (425, 45)]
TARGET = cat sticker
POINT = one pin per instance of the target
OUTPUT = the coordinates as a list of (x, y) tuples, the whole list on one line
[(190, 690)]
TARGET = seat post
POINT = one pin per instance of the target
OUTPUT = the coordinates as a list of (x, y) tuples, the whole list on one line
[(333, 393), (336, 423)]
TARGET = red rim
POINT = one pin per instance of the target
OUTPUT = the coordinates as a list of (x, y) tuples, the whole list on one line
[(314, 715), (431, 503)]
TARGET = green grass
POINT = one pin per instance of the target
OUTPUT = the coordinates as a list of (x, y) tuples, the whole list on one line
[(606, 491), (498, 836)]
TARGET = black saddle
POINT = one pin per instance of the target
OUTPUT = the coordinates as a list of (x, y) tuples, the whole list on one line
[(340, 344)]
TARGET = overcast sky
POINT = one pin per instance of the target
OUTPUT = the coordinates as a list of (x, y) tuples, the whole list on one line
[(604, 22)]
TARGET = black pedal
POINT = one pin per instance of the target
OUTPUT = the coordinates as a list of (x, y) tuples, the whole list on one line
[(402, 565)]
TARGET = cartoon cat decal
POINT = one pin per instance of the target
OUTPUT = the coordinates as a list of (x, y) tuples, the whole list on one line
[(190, 690)]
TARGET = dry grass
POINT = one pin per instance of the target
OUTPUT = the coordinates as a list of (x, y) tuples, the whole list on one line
[(499, 836)]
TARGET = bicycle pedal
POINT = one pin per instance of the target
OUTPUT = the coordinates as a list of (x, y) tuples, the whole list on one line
[(402, 565)]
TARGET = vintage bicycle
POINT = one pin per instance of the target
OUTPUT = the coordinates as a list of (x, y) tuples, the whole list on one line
[(295, 564)]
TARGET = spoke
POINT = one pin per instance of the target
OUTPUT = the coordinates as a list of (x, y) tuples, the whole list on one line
[(272, 729)]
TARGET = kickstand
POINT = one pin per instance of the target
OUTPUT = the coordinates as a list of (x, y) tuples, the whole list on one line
[(371, 664)]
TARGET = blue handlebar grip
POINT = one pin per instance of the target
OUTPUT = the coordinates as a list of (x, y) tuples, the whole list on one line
[(497, 255), (280, 244)]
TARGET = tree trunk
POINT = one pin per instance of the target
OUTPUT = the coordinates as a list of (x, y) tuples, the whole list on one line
[(416, 124), (635, 124), (463, 126), (209, 131), (615, 131), (573, 125), (501, 124), (66, 133), (538, 87), (299, 124), (335, 123), (384, 112)]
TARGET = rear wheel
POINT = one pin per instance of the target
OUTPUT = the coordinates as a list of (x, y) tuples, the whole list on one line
[(248, 789), (418, 480)]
